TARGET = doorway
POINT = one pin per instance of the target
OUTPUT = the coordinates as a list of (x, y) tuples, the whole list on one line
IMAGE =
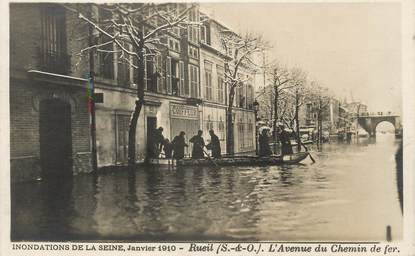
[(151, 128), (55, 138)]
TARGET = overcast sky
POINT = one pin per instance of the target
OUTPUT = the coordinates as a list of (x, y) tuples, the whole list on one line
[(351, 48)]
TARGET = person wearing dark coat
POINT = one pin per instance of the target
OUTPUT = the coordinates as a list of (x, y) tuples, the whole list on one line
[(178, 146), (284, 136), (167, 148), (158, 141), (214, 145), (198, 145), (263, 141), (155, 142)]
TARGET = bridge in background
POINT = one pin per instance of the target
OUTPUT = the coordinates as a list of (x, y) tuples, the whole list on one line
[(369, 122)]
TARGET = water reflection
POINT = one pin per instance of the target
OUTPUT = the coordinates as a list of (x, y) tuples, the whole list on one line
[(348, 194)]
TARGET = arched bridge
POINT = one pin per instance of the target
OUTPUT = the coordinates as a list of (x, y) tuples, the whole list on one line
[(369, 122)]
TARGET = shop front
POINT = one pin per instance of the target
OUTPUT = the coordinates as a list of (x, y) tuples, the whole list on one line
[(184, 118), (214, 118)]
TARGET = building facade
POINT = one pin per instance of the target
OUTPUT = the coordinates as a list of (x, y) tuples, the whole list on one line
[(49, 117), (215, 92)]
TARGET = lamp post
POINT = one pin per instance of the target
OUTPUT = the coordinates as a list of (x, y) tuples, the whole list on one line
[(256, 108)]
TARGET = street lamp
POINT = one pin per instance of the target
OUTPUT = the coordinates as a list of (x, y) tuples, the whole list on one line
[(256, 108)]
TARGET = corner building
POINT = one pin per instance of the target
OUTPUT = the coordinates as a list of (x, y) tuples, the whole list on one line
[(184, 91)]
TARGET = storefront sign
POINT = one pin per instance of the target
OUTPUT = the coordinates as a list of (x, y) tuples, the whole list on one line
[(183, 111)]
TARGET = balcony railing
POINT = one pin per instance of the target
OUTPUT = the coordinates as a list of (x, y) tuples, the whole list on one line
[(54, 62)]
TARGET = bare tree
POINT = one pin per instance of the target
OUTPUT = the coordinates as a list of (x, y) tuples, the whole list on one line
[(279, 77), (137, 31), (320, 101), (242, 50), (299, 92)]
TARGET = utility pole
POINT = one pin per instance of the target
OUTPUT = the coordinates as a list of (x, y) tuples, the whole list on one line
[(91, 101)]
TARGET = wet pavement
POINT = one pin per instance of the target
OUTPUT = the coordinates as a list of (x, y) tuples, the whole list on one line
[(350, 193)]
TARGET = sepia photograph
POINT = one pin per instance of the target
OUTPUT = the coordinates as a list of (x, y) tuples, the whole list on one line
[(196, 121)]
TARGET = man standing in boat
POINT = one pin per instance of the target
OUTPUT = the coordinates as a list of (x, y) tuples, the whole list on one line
[(284, 136), (155, 142), (198, 145), (214, 145), (158, 140), (263, 141), (178, 146)]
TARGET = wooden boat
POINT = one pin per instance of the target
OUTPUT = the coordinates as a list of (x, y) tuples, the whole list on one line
[(232, 161)]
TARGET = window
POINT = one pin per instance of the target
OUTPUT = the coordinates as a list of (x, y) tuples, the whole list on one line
[(52, 53), (175, 80), (175, 77), (242, 96), (193, 52), (174, 44), (208, 80), (183, 91), (205, 33), (221, 87), (221, 129), (241, 130), (122, 125), (249, 96), (123, 72), (194, 81), (250, 136), (150, 75), (193, 30), (209, 124), (106, 56), (161, 85)]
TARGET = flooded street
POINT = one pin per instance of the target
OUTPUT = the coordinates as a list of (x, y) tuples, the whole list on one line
[(350, 193)]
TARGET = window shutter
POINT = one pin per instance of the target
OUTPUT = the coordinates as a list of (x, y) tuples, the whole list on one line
[(197, 81), (168, 74), (159, 64), (183, 91)]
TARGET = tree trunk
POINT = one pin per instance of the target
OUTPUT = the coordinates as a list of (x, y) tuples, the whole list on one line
[(137, 109), (297, 123), (274, 124), (230, 149)]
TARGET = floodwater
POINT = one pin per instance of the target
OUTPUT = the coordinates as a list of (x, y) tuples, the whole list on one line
[(350, 193)]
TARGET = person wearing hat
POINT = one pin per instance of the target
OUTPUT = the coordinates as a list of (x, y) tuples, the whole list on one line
[(198, 145), (284, 136), (214, 145), (178, 146)]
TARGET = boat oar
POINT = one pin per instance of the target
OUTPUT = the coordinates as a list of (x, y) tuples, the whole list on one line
[(208, 156), (306, 149), (302, 144), (210, 159)]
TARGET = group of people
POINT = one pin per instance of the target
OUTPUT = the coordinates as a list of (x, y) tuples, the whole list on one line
[(284, 137), (176, 148)]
